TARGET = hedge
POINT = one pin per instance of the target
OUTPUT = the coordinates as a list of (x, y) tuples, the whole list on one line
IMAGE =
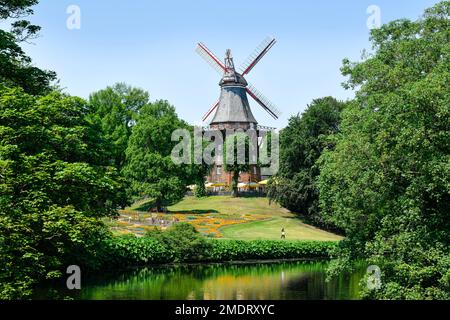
[(128, 251), (229, 250)]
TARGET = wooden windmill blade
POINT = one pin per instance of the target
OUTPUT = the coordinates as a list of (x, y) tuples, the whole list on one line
[(257, 55), (210, 111), (210, 58), (263, 101)]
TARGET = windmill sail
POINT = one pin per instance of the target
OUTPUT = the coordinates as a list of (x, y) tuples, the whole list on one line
[(210, 58), (263, 101), (257, 55), (210, 111)]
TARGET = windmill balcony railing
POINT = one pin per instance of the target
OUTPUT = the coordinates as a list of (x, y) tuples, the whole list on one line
[(258, 128)]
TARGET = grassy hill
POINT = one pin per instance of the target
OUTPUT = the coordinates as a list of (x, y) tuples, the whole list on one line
[(271, 218), (271, 230), (244, 218)]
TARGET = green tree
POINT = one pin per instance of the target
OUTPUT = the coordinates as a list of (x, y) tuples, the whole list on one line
[(302, 143), (387, 181), (16, 9), (149, 168), (55, 185), (16, 68), (199, 171), (118, 108), (236, 157)]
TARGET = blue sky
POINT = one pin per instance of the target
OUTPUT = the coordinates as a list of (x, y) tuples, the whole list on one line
[(150, 44)]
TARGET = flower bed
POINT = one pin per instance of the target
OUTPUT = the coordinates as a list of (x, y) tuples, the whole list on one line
[(208, 224)]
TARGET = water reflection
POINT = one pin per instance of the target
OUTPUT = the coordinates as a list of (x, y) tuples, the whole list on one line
[(285, 280)]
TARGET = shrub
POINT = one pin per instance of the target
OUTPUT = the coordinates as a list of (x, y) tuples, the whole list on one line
[(183, 241), (229, 250), (130, 250), (200, 190)]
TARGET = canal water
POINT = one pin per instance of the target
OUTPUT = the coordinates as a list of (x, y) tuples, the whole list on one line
[(278, 281)]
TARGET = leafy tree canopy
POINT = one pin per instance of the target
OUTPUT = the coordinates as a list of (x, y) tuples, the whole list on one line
[(149, 168), (16, 68), (117, 108), (387, 181), (302, 142), (55, 183)]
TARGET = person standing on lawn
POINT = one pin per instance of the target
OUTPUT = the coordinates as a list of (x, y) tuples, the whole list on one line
[(283, 233)]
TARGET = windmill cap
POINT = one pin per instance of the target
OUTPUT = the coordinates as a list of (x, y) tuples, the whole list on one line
[(232, 79)]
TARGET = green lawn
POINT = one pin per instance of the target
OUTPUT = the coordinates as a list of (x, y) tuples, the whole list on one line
[(230, 205), (271, 229), (244, 218), (275, 217)]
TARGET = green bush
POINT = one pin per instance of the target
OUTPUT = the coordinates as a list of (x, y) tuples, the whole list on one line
[(200, 190), (229, 250), (182, 244), (130, 251), (183, 241)]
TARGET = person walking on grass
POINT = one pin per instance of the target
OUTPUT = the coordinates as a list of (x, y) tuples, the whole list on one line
[(283, 233)]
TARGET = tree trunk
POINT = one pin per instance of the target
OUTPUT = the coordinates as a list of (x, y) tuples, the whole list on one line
[(234, 184), (158, 206)]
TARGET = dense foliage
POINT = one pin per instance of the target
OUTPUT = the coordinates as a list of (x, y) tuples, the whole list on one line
[(149, 168), (183, 242), (302, 142), (130, 251), (387, 181), (55, 183), (232, 250), (117, 108)]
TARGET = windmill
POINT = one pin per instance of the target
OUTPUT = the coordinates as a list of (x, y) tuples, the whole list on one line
[(232, 108)]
